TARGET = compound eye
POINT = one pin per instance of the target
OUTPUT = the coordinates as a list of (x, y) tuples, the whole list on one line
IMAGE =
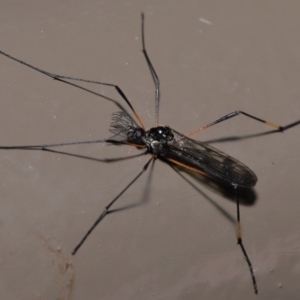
[(138, 134)]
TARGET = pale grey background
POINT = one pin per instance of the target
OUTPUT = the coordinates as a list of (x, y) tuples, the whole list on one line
[(212, 58)]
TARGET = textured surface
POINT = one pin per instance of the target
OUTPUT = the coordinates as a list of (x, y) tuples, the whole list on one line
[(212, 58)]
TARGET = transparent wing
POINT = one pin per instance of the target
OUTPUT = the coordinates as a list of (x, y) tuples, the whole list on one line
[(217, 164)]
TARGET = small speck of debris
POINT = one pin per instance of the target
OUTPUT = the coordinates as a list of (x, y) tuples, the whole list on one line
[(279, 284), (205, 21)]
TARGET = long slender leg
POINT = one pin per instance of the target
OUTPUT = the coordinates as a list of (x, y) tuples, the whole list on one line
[(43, 146), (238, 221), (46, 146), (57, 76), (234, 114), (153, 73), (240, 241), (106, 209)]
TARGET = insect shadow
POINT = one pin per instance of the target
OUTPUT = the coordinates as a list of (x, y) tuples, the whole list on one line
[(212, 167)]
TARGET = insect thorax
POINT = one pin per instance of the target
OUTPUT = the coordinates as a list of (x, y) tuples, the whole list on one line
[(157, 138)]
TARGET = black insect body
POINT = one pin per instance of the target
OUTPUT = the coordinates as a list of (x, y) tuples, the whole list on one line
[(165, 143), (158, 139)]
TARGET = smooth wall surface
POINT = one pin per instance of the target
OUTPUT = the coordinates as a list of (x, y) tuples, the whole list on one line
[(170, 240)]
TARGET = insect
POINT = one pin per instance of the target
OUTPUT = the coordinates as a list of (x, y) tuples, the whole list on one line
[(165, 143)]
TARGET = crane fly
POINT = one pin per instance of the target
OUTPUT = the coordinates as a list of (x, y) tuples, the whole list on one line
[(166, 144)]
